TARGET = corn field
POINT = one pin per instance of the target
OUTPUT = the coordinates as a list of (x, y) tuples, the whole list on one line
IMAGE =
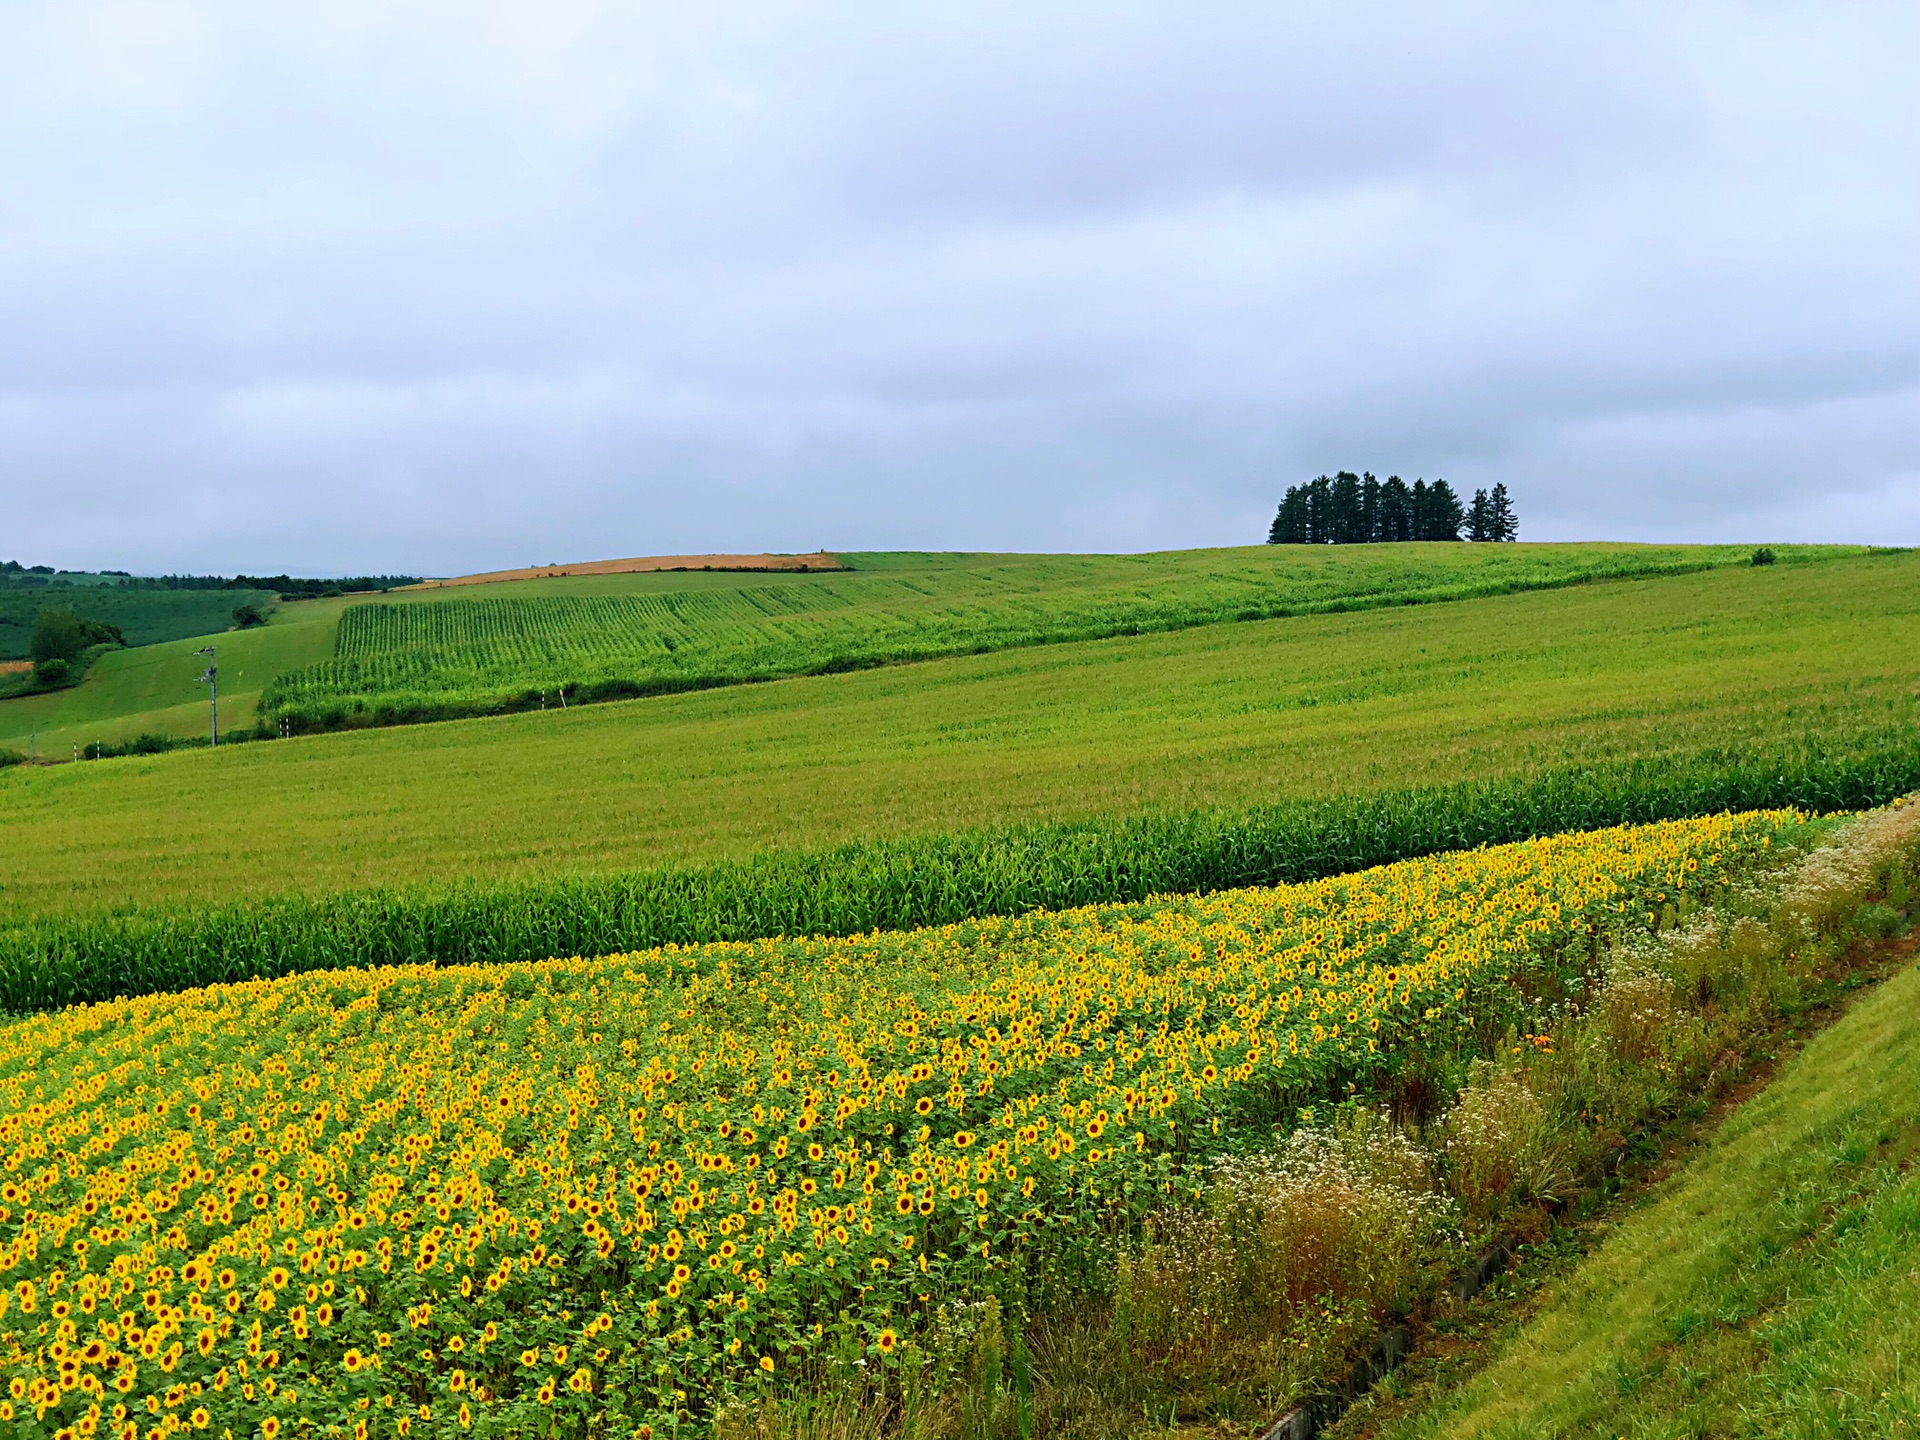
[(55, 960), (429, 659)]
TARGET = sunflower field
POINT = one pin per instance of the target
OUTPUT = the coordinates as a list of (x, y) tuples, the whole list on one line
[(608, 1195)]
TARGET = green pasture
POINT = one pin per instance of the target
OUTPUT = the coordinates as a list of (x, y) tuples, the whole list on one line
[(478, 651), (155, 689), (1223, 715), (1770, 1290), (437, 651), (146, 616)]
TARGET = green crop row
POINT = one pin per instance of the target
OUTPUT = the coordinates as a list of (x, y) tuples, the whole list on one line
[(399, 662), (54, 961)]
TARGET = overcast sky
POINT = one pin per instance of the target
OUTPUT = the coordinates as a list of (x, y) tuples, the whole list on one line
[(347, 287)]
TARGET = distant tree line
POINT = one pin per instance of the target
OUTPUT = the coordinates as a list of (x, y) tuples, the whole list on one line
[(288, 587), (15, 576), (1350, 509)]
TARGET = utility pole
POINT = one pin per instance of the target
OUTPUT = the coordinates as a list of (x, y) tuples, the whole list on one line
[(213, 692)]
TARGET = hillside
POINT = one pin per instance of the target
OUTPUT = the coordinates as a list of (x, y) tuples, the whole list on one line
[(145, 615), (615, 629), (1218, 715), (463, 656), (1043, 1125), (155, 688)]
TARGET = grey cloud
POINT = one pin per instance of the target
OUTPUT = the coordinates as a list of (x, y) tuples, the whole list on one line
[(442, 287)]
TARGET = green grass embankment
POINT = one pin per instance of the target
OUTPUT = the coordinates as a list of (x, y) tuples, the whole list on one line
[(1748, 660), (1773, 1289)]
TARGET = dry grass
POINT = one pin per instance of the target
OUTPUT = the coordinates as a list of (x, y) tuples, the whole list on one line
[(1330, 1227), (1502, 1144)]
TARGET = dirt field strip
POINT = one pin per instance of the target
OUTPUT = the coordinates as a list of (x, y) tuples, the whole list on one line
[(645, 564)]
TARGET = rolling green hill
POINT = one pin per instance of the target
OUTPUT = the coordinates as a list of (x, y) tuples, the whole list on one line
[(155, 689), (1220, 715), (432, 652), (486, 653), (146, 615)]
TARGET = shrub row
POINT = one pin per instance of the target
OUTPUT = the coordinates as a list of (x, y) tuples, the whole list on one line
[(53, 961)]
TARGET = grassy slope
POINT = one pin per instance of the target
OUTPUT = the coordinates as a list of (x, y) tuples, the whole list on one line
[(1226, 714), (481, 652), (145, 616), (1773, 1288), (154, 688)]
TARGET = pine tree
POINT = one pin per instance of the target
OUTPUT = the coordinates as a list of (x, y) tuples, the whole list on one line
[(1290, 525), (1348, 523), (1419, 511), (1445, 513), (1479, 518), (1504, 524), (1320, 510), (1396, 510), (1369, 508)]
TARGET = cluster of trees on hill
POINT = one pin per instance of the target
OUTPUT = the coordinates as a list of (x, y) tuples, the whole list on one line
[(1350, 509), (61, 640)]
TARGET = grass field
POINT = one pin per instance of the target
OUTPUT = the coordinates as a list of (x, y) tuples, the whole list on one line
[(1271, 709), (1772, 1290), (146, 616), (462, 656), (53, 960), (155, 689), (618, 627), (1222, 715)]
